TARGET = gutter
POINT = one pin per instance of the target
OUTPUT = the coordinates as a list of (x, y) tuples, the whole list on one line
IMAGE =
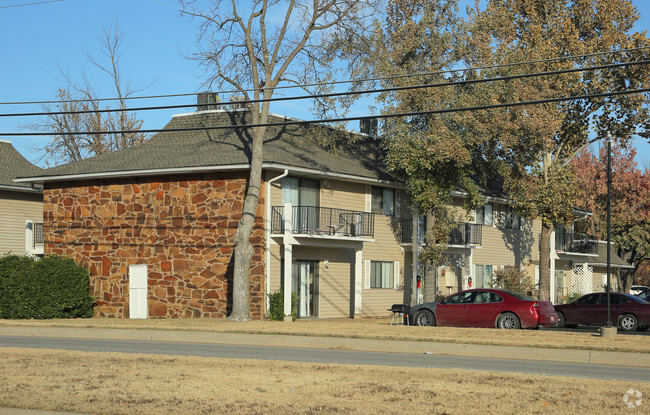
[(268, 235)]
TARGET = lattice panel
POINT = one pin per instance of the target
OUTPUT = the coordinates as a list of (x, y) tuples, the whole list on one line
[(582, 280)]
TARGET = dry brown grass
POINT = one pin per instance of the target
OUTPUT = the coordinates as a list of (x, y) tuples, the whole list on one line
[(377, 328), (113, 383)]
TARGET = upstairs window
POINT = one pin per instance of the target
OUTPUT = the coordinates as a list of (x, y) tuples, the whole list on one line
[(483, 215), (506, 218), (383, 201)]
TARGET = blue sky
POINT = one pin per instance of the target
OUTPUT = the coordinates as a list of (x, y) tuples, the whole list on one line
[(39, 39)]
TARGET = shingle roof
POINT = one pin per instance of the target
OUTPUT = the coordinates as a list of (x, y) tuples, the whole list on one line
[(13, 164), (300, 146)]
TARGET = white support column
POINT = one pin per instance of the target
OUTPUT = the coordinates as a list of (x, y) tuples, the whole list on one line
[(358, 280), (288, 260), (553, 254), (29, 237), (416, 253)]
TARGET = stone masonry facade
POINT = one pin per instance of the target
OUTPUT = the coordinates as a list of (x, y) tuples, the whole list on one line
[(182, 227)]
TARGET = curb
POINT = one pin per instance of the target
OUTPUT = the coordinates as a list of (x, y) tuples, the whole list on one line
[(344, 343)]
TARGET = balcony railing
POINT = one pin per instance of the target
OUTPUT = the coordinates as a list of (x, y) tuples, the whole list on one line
[(575, 243), (37, 234), (315, 220), (463, 234)]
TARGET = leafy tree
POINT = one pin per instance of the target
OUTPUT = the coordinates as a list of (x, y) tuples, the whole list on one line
[(254, 49), (630, 202), (75, 114), (514, 279), (535, 144), (430, 154), (530, 147)]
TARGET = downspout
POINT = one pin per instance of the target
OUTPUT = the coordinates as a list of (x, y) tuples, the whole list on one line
[(268, 235)]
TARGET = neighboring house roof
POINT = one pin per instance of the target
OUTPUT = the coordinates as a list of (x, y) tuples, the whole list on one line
[(12, 165), (296, 146)]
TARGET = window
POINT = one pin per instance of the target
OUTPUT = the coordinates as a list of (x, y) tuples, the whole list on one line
[(483, 215), (507, 218), (383, 201), (381, 274), (483, 275)]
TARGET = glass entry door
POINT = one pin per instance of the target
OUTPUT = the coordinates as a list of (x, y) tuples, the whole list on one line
[(304, 283)]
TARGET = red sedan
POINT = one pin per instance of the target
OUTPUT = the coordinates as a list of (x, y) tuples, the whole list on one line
[(485, 308), (627, 311)]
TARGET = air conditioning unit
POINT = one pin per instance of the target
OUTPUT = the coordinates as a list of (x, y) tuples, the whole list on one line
[(369, 126), (206, 101), (235, 102)]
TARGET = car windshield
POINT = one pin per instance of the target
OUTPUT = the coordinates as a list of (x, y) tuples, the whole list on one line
[(519, 296)]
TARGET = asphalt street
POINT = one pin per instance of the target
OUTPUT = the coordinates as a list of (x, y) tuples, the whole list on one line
[(317, 355)]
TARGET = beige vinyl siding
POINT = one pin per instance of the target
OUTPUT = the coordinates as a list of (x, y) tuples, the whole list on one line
[(343, 195), (335, 283), (376, 301), (509, 246), (15, 209)]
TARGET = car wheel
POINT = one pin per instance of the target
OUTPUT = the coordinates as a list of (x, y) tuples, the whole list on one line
[(508, 321), (628, 322), (424, 318), (561, 321)]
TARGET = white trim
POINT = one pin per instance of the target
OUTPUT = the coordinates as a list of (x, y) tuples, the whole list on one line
[(396, 274), (267, 231), (20, 189), (366, 284), (131, 173), (5, 141), (229, 167)]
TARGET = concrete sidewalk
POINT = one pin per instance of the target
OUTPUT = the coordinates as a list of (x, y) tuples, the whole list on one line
[(343, 343)]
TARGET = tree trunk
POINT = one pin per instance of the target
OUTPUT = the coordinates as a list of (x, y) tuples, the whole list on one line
[(545, 263), (243, 250)]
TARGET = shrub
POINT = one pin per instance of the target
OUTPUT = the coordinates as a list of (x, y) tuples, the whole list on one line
[(276, 306), (514, 279), (53, 287)]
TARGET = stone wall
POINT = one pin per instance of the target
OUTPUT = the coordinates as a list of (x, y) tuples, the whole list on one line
[(182, 227)]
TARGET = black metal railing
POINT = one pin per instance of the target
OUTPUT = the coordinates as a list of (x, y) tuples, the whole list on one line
[(37, 234), (463, 234), (315, 220), (576, 243)]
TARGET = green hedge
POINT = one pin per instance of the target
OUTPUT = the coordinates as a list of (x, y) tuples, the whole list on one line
[(52, 287), (276, 305)]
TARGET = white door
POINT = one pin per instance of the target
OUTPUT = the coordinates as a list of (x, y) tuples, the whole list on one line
[(138, 307)]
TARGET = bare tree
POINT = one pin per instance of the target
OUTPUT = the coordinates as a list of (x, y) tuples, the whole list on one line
[(78, 130), (255, 48)]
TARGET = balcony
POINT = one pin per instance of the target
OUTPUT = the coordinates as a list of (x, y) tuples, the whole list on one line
[(574, 243), (322, 221), (464, 234)]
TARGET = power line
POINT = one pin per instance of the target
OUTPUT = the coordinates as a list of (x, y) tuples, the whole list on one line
[(450, 71), (342, 119), (30, 4), (335, 94)]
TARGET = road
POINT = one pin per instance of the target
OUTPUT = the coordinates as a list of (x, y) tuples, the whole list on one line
[(312, 355)]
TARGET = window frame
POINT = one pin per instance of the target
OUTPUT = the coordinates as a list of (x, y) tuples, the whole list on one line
[(376, 199), (382, 281)]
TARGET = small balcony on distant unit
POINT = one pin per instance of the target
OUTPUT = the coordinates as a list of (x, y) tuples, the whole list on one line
[(323, 221), (464, 234), (575, 243), (33, 238)]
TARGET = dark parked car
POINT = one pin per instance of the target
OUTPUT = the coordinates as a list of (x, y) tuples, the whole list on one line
[(485, 308), (627, 311)]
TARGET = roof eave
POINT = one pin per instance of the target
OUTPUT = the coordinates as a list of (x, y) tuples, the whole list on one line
[(229, 167)]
